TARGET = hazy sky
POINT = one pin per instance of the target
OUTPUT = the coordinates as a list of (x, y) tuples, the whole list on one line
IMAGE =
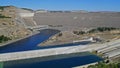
[(90, 5)]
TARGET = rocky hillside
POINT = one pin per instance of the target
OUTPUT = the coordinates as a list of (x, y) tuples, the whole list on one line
[(9, 26), (76, 20)]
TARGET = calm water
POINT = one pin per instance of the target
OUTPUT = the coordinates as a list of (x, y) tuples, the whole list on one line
[(29, 43), (59, 61)]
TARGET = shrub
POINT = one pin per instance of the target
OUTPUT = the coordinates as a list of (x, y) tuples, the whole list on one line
[(101, 29), (1, 16), (78, 32), (4, 38), (60, 34)]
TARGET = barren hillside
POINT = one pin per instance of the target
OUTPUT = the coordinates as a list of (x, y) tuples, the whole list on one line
[(8, 25), (75, 20)]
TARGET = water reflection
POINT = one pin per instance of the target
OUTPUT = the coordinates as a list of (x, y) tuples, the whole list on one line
[(57, 61)]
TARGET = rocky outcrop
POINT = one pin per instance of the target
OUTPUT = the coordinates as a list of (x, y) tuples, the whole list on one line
[(9, 26)]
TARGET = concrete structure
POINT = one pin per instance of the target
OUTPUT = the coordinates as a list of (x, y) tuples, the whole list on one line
[(33, 27), (26, 18), (38, 53), (39, 27), (57, 51), (26, 14), (41, 11)]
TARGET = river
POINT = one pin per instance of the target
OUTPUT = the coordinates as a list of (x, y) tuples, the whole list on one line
[(29, 43), (60, 61)]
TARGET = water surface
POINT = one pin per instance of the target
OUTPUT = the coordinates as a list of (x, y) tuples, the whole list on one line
[(57, 61), (29, 43)]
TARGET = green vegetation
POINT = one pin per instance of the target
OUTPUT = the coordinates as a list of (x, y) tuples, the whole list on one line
[(78, 32), (60, 34), (1, 16), (1, 64), (99, 29), (96, 53), (1, 7), (4, 38), (27, 9), (105, 65), (55, 25), (102, 29)]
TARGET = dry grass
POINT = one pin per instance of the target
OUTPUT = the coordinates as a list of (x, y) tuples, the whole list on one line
[(68, 37)]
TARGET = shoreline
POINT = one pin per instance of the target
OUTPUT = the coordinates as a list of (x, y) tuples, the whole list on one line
[(15, 40), (66, 37)]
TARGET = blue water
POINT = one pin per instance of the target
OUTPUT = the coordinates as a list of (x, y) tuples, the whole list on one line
[(29, 43), (66, 45), (67, 61)]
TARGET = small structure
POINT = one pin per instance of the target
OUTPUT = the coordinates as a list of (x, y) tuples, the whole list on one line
[(91, 39)]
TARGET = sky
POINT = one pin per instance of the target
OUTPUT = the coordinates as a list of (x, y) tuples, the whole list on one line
[(89, 5)]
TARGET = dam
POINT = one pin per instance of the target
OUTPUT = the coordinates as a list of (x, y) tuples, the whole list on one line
[(40, 53), (77, 20), (71, 20), (59, 50), (27, 48), (26, 51)]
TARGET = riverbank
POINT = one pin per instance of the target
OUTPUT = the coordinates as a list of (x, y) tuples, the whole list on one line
[(29, 43), (85, 66), (15, 40), (66, 37), (63, 37)]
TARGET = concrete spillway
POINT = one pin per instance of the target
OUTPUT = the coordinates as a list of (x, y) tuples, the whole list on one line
[(59, 51), (40, 53), (26, 14)]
